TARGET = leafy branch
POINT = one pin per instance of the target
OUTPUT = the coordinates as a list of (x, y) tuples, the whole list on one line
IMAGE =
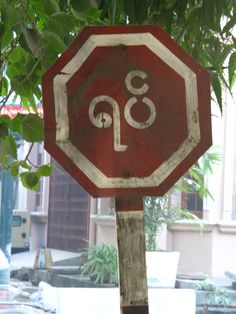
[(30, 128), (34, 33), (34, 46)]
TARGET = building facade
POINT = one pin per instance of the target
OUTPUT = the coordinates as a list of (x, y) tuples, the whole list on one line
[(64, 216), (206, 248)]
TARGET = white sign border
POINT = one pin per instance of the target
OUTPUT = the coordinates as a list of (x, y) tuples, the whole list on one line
[(61, 110)]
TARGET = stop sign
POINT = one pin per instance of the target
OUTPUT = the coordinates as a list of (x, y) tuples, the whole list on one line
[(127, 111)]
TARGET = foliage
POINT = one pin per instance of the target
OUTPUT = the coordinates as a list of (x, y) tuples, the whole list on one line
[(34, 33), (214, 295), (199, 172), (158, 211), (101, 265), (155, 213), (30, 128)]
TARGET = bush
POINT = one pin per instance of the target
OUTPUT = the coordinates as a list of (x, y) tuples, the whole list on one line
[(101, 265)]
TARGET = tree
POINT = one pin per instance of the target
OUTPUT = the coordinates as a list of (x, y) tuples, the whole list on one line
[(33, 33)]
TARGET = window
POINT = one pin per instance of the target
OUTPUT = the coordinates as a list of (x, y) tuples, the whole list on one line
[(16, 221), (192, 201)]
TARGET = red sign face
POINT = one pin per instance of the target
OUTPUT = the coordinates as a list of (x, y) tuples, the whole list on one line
[(127, 111)]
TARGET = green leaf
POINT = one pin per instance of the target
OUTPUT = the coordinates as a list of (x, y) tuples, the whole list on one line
[(169, 22), (52, 5), (32, 128), (24, 100), (14, 172), (9, 146), (24, 44), (51, 53), (14, 168), (30, 180), (92, 16), (232, 68), (32, 102), (17, 54), (6, 119), (45, 170), (24, 165), (217, 89), (193, 15), (219, 62), (4, 91), (14, 70), (7, 38), (229, 25), (3, 156), (3, 129), (23, 85), (11, 16), (80, 5), (16, 122), (38, 92), (45, 7), (31, 38), (60, 23), (135, 10), (55, 41), (1, 30)]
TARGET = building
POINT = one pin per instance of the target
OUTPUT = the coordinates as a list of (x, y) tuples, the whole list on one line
[(60, 210)]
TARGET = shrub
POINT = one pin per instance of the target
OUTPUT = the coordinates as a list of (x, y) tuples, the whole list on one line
[(101, 265)]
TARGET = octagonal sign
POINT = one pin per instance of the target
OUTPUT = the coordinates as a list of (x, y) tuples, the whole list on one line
[(127, 111)]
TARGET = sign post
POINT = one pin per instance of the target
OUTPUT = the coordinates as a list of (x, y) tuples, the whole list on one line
[(131, 253), (127, 112)]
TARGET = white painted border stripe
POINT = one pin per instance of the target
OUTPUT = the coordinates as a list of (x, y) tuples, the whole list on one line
[(61, 110)]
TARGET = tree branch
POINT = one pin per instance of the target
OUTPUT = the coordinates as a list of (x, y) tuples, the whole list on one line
[(34, 26)]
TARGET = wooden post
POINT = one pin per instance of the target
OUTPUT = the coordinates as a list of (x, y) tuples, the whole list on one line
[(131, 252)]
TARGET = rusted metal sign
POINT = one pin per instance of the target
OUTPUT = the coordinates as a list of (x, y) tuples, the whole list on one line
[(127, 111)]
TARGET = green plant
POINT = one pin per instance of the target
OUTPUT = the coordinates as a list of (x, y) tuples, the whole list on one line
[(158, 211), (214, 295), (206, 285), (203, 168), (101, 265), (155, 210), (34, 33)]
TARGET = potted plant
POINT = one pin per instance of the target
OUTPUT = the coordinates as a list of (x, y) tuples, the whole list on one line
[(161, 265), (159, 213)]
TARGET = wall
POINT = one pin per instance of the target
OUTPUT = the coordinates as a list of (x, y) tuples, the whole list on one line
[(209, 251), (195, 247), (203, 250), (105, 224), (105, 229), (224, 254)]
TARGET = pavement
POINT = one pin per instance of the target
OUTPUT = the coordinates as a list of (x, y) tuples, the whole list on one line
[(105, 301), (64, 298), (27, 259)]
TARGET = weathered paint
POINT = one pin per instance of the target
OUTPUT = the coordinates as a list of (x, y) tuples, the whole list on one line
[(111, 152), (131, 252), (118, 150)]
